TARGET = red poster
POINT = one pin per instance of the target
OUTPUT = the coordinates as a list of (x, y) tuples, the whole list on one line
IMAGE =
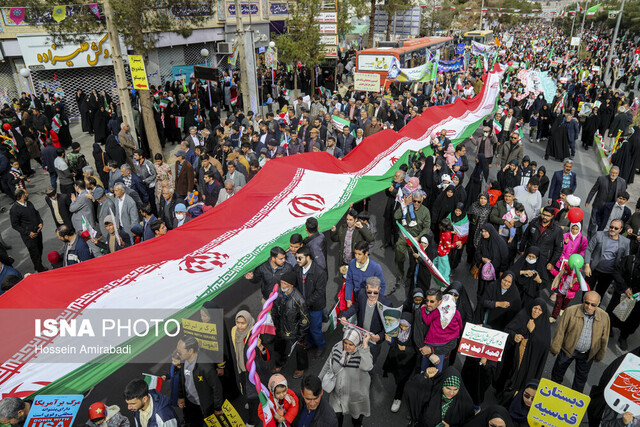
[(627, 386), (473, 349)]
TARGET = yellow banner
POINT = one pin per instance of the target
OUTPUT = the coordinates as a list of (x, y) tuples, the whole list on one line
[(557, 405), (205, 333), (229, 417), (138, 72)]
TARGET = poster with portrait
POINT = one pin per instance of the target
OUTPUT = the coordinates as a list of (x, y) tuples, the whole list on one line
[(390, 318)]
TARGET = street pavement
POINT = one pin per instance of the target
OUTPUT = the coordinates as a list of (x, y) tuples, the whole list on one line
[(245, 295)]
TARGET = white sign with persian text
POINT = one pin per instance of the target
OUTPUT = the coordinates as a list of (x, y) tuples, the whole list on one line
[(40, 52)]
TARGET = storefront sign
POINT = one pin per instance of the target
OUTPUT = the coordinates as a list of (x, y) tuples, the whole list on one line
[(329, 39), (623, 391), (368, 82), (138, 72), (327, 17), (328, 28), (244, 7), (278, 9), (478, 341), (54, 411), (330, 51), (557, 405), (39, 52)]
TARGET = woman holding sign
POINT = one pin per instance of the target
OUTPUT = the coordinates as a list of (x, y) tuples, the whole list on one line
[(528, 346)]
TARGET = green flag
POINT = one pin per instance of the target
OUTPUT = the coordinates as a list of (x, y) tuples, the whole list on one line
[(592, 10)]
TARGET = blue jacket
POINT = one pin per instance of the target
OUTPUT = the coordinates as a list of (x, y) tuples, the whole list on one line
[(5, 271), (356, 278), (556, 184), (138, 186), (573, 130), (162, 416), (78, 252), (174, 377), (148, 232)]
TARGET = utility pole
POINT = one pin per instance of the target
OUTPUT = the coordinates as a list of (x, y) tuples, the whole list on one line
[(118, 68), (247, 63), (481, 8), (613, 43), (584, 17)]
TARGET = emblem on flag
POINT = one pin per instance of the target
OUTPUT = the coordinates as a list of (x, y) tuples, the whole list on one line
[(306, 205), (203, 262)]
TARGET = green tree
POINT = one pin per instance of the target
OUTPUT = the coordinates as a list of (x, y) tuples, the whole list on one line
[(138, 22), (302, 41), (437, 19)]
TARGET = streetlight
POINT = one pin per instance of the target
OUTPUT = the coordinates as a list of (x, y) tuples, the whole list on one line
[(204, 52), (26, 73)]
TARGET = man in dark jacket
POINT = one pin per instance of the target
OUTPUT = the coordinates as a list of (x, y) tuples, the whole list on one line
[(606, 189), (621, 122), (546, 234), (199, 390), (48, 156), (26, 220), (140, 399), (59, 206), (366, 310), (613, 210), (357, 233), (291, 320), (317, 242), (315, 410), (134, 182), (563, 179), (269, 272), (311, 281), (167, 208), (75, 249)]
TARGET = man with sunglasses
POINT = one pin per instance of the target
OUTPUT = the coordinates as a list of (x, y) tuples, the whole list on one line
[(582, 335), (511, 150), (365, 308), (605, 251), (311, 281), (422, 224)]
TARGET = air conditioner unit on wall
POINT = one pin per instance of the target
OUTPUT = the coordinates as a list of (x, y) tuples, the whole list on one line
[(224, 48)]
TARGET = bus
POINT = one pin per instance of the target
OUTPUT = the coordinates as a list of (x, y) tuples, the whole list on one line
[(410, 52), (484, 37)]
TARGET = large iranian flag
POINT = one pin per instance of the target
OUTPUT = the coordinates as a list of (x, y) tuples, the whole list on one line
[(193, 264)]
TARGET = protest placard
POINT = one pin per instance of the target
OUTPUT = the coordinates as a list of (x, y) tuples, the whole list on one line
[(623, 391), (478, 341), (229, 417), (367, 82), (390, 318), (209, 335), (54, 410), (557, 405)]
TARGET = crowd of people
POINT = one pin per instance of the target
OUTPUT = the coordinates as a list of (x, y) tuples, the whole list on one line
[(481, 205)]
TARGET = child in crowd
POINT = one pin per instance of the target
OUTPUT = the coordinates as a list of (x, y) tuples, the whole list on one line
[(101, 415), (412, 185), (444, 247), (533, 127), (284, 399), (516, 213), (565, 286), (16, 178), (174, 377)]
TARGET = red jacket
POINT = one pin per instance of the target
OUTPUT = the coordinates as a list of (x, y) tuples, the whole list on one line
[(288, 407)]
